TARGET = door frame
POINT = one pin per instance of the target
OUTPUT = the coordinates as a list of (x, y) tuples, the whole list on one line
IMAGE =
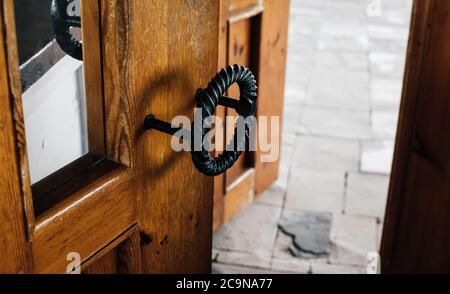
[(415, 235)]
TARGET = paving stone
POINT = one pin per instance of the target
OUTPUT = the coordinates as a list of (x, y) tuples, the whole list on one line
[(293, 265), (342, 59), (299, 69), (391, 17), (300, 43), (295, 95), (342, 28), (353, 238), (309, 11), (254, 230), (287, 151), (384, 124), (303, 25), (380, 226), (310, 232), (376, 157), (288, 140), (326, 154), (335, 269), (340, 123), (349, 44), (291, 118), (387, 64), (300, 4), (282, 246), (392, 85), (300, 58), (345, 11), (316, 190), (283, 178), (262, 261), (339, 88), (385, 100), (215, 254), (224, 269), (389, 46), (273, 196), (387, 32), (366, 195)]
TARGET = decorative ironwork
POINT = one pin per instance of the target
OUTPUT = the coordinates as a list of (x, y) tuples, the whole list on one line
[(65, 15), (207, 100)]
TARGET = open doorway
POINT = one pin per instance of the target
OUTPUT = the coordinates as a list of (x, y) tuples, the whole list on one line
[(344, 81)]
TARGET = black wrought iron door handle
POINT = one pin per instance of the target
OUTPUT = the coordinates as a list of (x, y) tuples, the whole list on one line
[(207, 100), (62, 22)]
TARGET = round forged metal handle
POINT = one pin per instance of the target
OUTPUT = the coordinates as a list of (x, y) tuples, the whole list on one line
[(62, 23), (207, 101)]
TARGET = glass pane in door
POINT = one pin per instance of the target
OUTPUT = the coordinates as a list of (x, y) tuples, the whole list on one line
[(53, 97)]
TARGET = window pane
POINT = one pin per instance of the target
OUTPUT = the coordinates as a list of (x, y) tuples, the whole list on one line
[(53, 91)]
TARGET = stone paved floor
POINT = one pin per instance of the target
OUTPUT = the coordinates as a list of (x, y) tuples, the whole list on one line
[(344, 78)]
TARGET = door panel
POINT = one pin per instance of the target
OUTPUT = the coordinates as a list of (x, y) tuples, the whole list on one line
[(167, 50), (85, 222), (122, 256), (272, 72), (253, 33), (415, 237), (243, 48)]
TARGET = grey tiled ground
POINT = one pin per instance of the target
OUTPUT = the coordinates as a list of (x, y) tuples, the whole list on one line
[(343, 87)]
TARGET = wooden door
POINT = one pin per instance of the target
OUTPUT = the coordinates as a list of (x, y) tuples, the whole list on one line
[(253, 33), (131, 205), (416, 235)]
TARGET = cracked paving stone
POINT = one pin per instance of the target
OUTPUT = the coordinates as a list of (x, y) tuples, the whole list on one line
[(310, 232)]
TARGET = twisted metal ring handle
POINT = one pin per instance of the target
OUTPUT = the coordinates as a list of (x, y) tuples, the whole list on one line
[(207, 101), (62, 23)]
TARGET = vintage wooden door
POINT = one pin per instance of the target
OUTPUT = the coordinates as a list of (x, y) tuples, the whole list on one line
[(416, 235), (132, 204), (252, 33)]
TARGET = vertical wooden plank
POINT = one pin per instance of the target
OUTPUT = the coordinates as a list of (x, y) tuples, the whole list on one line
[(219, 181), (14, 249), (118, 51), (125, 258), (129, 255), (93, 75), (275, 20), (121, 256), (156, 55), (418, 44), (15, 89), (107, 265), (243, 49)]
